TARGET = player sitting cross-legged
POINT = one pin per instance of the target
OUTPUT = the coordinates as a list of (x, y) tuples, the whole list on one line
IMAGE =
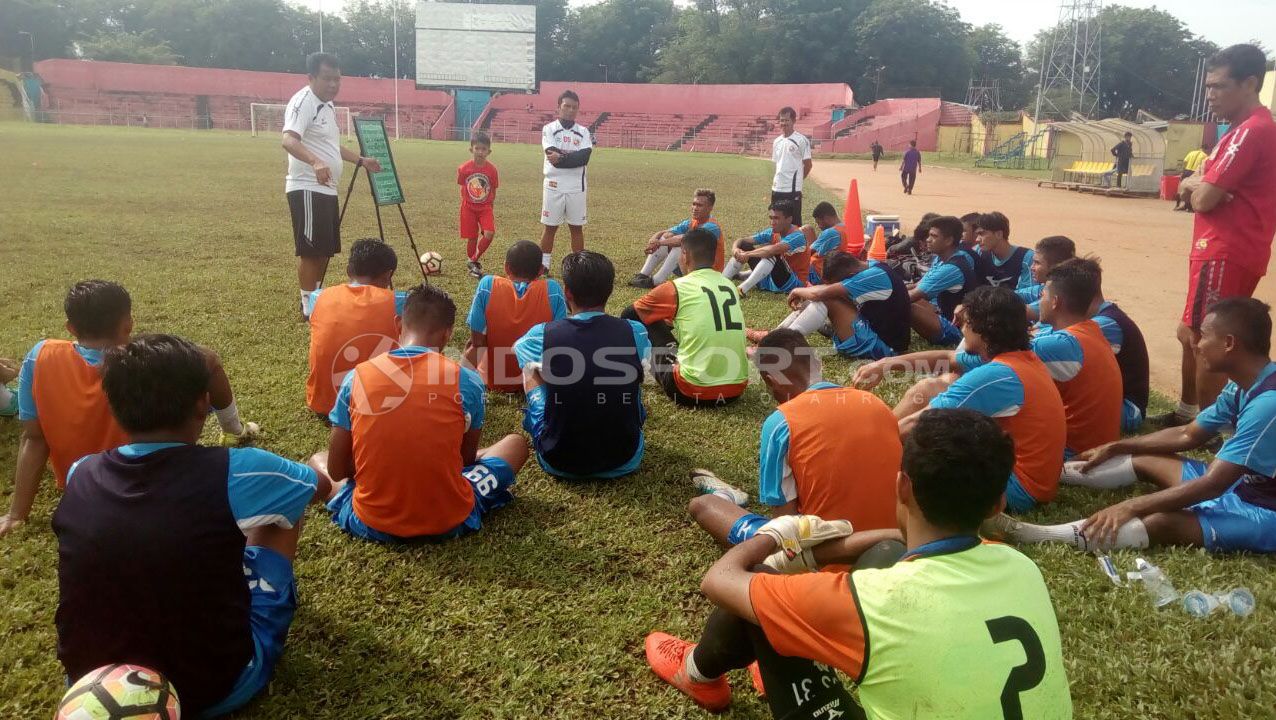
[(1228, 505), (352, 322), (949, 627), (700, 361), (778, 256), (405, 438), (506, 307), (802, 465), (826, 237), (174, 555), (592, 379), (951, 275), (999, 262), (665, 247), (64, 414)]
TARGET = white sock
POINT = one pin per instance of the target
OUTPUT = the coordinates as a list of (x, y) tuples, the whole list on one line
[(653, 260), (731, 269), (671, 262), (1186, 410), (693, 672), (228, 418), (1132, 535), (811, 318), (1117, 472), (788, 321), (305, 302), (763, 269), (6, 396), (547, 258)]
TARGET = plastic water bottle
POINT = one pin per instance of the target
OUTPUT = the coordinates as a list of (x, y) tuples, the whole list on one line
[(1200, 604), (1158, 586)]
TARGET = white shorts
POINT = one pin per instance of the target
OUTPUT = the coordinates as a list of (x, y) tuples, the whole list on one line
[(562, 207)]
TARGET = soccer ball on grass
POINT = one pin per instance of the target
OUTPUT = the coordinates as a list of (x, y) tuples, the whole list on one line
[(432, 263), (120, 692)]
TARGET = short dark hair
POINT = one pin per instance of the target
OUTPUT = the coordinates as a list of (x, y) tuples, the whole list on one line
[(949, 227), (1242, 61), (567, 95), (706, 193), (1129, 134), (780, 349), (370, 257), (589, 276), (998, 316), (317, 60), (1249, 320), (994, 221), (481, 138), (154, 382), (524, 259), (784, 207), (970, 218), (840, 266), (824, 209), (1056, 248), (95, 308), (701, 246), (787, 110), (429, 308), (923, 227), (958, 462), (912, 143), (1076, 282)]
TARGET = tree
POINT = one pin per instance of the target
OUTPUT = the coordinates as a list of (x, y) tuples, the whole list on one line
[(626, 36), (998, 58), (49, 26), (369, 37), (128, 47), (920, 45)]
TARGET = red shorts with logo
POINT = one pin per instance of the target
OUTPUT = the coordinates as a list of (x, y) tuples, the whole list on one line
[(474, 217), (1209, 281)]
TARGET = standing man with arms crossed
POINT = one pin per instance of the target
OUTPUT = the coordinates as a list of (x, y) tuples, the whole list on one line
[(313, 141), (1235, 202), (791, 153), (567, 149)]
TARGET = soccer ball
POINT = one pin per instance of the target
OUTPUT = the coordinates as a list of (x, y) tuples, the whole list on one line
[(432, 263), (120, 692)]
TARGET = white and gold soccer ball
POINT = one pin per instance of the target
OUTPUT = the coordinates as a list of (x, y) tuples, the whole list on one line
[(432, 263)]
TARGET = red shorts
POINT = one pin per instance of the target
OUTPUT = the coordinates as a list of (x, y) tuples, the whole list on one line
[(1209, 281), (474, 217)]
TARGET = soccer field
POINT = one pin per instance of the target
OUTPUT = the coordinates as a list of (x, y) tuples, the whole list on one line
[(543, 613)]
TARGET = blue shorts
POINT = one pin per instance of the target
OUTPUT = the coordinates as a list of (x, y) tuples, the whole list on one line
[(273, 593), (1131, 417), (534, 424), (1228, 523), (489, 478), (863, 344), (745, 528), (1017, 499), (949, 334)]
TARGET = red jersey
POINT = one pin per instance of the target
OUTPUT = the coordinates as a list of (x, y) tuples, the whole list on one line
[(478, 184), (1244, 164)]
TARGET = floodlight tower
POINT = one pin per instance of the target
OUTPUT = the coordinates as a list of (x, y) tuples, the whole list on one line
[(1070, 62), (984, 94)]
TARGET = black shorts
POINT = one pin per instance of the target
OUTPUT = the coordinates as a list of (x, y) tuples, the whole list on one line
[(316, 223), (780, 272), (793, 197)]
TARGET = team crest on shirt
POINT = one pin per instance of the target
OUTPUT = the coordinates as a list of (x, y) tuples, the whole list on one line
[(478, 187), (1202, 244)]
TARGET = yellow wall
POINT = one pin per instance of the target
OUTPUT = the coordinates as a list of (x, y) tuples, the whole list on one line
[(954, 139), (1041, 147), (1180, 139), (1268, 93)]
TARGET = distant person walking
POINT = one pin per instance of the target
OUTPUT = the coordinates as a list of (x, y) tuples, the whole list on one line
[(1192, 163), (568, 147), (876, 148), (312, 139), (791, 153), (910, 167), (1234, 197), (1123, 152)]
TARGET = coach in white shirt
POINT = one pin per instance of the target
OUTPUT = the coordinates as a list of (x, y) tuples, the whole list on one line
[(791, 153), (567, 147), (312, 138)]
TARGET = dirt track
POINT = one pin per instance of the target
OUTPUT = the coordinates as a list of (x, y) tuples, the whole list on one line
[(1142, 243)]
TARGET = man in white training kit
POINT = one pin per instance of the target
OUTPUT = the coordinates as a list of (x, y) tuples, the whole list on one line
[(567, 149), (791, 153), (312, 138)]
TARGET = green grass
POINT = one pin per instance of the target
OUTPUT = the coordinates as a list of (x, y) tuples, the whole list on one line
[(544, 612)]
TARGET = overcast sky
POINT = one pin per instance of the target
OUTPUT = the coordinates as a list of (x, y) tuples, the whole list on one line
[(1224, 21)]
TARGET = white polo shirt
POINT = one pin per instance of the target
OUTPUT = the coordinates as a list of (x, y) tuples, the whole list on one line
[(788, 153), (577, 137), (316, 123)]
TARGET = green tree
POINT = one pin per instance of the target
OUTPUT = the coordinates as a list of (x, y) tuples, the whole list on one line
[(998, 58), (49, 24), (129, 47), (625, 36), (919, 47), (366, 47)]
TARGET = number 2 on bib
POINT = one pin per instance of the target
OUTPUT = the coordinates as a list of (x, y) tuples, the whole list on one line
[(721, 303), (1022, 677)]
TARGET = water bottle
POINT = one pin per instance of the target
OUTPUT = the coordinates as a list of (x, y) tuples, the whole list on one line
[(1199, 604), (1158, 586)]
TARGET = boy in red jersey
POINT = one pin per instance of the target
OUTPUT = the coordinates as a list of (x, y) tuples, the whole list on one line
[(478, 180)]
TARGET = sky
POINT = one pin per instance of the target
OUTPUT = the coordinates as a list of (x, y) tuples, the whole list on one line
[(1225, 22)]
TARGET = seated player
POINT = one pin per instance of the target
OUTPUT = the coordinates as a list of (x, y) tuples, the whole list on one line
[(802, 467), (1226, 506), (999, 262), (1004, 380), (866, 304), (1126, 341), (969, 229), (700, 361), (352, 322), (951, 275), (405, 438), (942, 629), (64, 414), (504, 308), (592, 380), (8, 398), (778, 255), (832, 238), (1049, 251), (665, 247), (174, 555)]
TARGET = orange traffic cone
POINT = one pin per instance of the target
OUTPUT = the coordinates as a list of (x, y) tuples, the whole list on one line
[(853, 220), (877, 249)]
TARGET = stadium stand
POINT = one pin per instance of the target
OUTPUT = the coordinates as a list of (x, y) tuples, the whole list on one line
[(891, 122)]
